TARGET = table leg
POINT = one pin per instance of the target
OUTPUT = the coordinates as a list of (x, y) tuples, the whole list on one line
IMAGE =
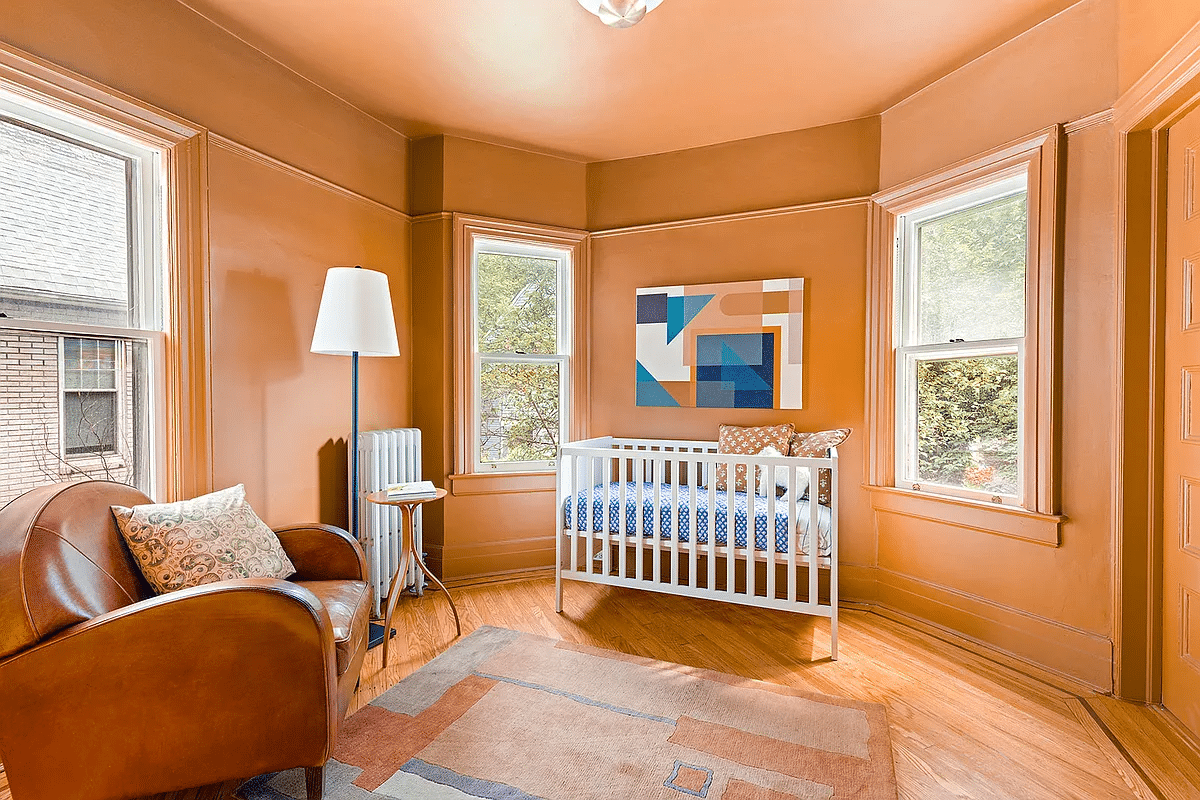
[(440, 585), (397, 585)]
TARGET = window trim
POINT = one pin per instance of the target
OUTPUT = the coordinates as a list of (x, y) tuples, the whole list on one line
[(468, 230), (1039, 157), (184, 447)]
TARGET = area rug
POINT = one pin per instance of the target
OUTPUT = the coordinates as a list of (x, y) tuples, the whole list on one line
[(512, 716)]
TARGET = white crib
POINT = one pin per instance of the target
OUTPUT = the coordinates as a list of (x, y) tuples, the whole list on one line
[(614, 494)]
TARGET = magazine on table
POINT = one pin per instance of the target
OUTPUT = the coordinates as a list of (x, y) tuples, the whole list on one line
[(412, 490)]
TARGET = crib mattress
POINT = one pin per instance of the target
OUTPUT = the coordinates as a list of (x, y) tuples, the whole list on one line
[(683, 507)]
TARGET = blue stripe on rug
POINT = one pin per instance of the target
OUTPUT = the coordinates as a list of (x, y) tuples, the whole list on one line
[(477, 787), (578, 698)]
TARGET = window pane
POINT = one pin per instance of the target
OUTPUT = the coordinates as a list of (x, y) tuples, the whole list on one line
[(519, 408), (971, 273), (967, 423), (517, 308), (89, 422), (64, 230)]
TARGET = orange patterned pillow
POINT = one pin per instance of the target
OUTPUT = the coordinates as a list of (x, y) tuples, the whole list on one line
[(816, 445), (735, 440)]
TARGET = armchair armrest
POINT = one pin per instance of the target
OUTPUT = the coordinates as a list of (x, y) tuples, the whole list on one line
[(219, 682), (323, 553)]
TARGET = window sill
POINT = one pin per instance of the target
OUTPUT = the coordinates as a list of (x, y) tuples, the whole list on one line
[(1014, 523), (501, 483)]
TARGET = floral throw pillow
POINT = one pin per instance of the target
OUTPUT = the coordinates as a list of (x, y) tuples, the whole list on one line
[(211, 538), (735, 440), (816, 445)]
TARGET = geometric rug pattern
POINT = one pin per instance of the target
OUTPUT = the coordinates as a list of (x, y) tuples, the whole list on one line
[(513, 716), (721, 345)]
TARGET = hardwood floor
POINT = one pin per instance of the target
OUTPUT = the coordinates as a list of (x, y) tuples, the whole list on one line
[(962, 724)]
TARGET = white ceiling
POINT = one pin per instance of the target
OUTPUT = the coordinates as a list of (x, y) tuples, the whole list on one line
[(546, 75)]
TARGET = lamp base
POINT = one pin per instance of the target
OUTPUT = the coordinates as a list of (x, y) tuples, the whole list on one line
[(375, 635)]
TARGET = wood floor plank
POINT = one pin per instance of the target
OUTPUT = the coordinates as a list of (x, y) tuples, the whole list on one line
[(963, 724)]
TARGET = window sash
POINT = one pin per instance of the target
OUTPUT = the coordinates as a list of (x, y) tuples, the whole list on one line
[(907, 281), (145, 175), (906, 334), (564, 303), (156, 382), (906, 448)]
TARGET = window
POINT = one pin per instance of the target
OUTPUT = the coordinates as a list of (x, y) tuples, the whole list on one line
[(961, 267), (963, 314), (519, 362), (522, 353), (81, 308)]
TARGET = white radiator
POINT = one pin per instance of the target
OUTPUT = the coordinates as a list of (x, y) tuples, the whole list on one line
[(386, 457)]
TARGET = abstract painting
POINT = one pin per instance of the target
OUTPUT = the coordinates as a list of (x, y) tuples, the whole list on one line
[(721, 345)]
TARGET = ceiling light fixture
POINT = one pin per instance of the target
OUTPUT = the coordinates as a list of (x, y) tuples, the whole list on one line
[(620, 13)]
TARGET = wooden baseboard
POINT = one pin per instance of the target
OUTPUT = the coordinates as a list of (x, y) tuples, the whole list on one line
[(1078, 656), (501, 577), (477, 559)]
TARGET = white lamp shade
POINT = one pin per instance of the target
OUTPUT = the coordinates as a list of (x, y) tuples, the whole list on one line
[(355, 315)]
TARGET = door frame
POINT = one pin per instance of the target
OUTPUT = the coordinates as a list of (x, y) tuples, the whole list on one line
[(1141, 117)]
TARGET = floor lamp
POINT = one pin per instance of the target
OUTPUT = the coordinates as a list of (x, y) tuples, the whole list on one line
[(355, 319)]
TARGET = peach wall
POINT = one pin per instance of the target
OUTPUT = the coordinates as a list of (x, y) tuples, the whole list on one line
[(1050, 605), (1148, 29), (275, 405), (828, 249), (833, 161), (1061, 70), (450, 173), (164, 54)]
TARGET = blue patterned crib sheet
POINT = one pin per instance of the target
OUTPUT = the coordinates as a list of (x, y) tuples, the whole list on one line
[(740, 514)]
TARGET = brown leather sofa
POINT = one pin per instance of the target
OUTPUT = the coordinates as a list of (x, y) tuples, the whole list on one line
[(108, 691)]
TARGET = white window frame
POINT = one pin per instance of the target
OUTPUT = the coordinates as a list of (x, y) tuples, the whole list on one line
[(565, 344), (889, 400), (909, 352), (119, 404), (148, 268), (517, 238)]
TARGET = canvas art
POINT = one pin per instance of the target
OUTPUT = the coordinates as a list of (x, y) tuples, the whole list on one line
[(721, 345)]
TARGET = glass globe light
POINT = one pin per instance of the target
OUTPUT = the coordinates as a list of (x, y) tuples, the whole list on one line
[(620, 13)]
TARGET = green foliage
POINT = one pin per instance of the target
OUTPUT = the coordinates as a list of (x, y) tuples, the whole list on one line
[(519, 405), (967, 412), (517, 312), (517, 308)]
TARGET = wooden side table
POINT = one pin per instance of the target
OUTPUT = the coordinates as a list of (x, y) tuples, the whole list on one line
[(408, 508)]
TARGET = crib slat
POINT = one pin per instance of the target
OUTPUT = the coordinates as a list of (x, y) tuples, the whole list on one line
[(793, 533), (833, 566), (693, 529), (591, 518), (814, 550), (772, 527), (659, 466), (730, 527), (712, 525), (639, 553), (675, 525), (621, 524), (576, 480), (751, 528), (606, 468)]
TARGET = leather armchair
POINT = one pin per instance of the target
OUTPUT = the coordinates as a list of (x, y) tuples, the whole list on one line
[(110, 692)]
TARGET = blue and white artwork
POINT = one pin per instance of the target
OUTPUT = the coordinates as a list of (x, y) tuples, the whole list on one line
[(721, 345)]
